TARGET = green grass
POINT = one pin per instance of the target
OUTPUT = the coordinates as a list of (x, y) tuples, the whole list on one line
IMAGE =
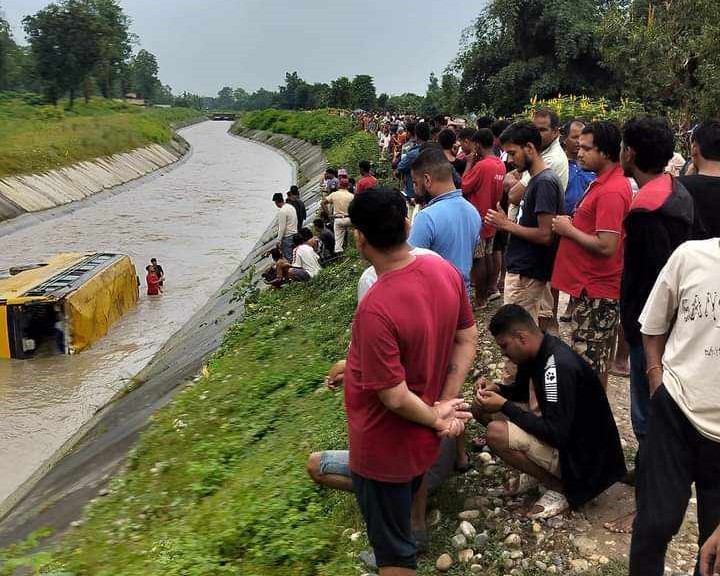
[(342, 139), (217, 484), (36, 137)]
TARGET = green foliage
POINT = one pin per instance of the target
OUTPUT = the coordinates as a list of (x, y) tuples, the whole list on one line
[(665, 54), (35, 138), (65, 40), (217, 483), (517, 50), (584, 108), (363, 92), (317, 126), (144, 70)]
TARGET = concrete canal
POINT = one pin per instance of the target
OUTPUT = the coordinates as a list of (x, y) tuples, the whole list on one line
[(199, 220)]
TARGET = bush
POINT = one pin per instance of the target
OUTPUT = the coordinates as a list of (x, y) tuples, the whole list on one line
[(584, 108)]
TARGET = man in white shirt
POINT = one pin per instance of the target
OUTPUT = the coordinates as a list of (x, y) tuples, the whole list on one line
[(680, 324), (287, 226)]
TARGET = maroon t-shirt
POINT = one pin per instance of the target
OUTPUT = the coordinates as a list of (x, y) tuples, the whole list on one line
[(403, 330), (365, 183)]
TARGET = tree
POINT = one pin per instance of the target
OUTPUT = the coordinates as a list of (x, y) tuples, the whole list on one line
[(517, 50), (145, 74), (225, 99), (341, 95), (240, 99), (408, 103), (382, 101), (665, 54), (65, 40), (432, 105), (450, 94), (7, 49), (363, 92), (115, 48)]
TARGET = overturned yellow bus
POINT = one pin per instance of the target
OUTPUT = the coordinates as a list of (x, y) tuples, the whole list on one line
[(66, 304)]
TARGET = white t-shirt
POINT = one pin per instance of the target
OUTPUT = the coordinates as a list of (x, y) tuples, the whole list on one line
[(287, 221), (369, 277), (307, 259), (687, 291), (555, 159)]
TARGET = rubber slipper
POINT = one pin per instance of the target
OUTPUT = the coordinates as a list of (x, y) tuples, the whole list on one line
[(519, 485)]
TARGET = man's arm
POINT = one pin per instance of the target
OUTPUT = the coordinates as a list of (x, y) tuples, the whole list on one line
[(406, 161), (282, 225), (603, 244), (407, 405), (654, 350), (461, 361), (543, 234), (710, 555), (516, 193)]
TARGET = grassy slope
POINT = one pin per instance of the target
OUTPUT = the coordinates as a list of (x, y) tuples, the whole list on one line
[(35, 138), (217, 484)]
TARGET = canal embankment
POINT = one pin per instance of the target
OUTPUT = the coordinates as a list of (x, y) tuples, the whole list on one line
[(53, 156), (55, 494)]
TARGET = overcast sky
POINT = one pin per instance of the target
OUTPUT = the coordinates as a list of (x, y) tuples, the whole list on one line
[(204, 45)]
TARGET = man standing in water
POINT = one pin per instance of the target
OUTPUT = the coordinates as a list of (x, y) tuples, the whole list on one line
[(159, 271)]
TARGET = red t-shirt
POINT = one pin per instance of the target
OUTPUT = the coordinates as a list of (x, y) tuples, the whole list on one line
[(482, 185), (403, 330), (602, 209), (365, 183)]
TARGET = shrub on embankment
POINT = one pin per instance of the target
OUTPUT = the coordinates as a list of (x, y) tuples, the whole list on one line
[(217, 483), (342, 139), (36, 137)]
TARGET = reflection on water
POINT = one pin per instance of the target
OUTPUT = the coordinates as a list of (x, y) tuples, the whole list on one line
[(199, 220)]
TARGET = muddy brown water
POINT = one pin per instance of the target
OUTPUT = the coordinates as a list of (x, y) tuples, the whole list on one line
[(199, 220)]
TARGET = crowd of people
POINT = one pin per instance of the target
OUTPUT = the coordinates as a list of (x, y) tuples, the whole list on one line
[(523, 212)]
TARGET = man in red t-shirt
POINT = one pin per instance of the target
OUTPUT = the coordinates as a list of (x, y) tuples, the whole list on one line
[(367, 180), (589, 261), (413, 343), (482, 185)]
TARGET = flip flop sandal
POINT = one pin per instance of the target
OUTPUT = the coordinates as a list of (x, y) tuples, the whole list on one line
[(494, 296), (519, 485), (551, 504)]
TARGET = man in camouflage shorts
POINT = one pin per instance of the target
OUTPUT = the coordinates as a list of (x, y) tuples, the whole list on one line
[(589, 261), (595, 321)]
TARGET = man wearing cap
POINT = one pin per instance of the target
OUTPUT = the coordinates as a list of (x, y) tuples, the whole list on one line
[(340, 200)]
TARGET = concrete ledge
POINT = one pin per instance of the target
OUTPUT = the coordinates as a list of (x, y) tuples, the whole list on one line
[(37, 192)]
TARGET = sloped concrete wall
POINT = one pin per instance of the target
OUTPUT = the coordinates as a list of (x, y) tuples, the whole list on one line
[(36, 192), (56, 497)]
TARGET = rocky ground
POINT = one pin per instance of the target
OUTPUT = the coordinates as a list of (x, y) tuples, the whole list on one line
[(475, 531)]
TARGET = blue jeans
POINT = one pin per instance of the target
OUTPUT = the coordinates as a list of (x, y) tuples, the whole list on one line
[(639, 393), (286, 248)]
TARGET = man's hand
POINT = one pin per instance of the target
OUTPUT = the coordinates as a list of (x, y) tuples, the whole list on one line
[(655, 378), (336, 375), (451, 416), (562, 225), (489, 401), (483, 384), (710, 555), (498, 218)]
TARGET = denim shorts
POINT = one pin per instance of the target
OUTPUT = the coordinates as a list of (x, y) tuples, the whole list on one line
[(335, 462)]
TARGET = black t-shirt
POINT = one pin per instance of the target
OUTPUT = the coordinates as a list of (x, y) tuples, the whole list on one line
[(544, 195), (705, 191), (328, 240)]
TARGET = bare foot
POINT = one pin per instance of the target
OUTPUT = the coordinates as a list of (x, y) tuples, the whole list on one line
[(621, 525)]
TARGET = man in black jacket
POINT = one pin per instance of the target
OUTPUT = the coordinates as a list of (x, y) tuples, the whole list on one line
[(566, 438), (659, 220)]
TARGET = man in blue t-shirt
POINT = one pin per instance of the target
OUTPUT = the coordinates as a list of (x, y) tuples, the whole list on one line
[(578, 179), (449, 224)]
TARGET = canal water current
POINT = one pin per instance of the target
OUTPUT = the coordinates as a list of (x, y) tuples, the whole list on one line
[(199, 220)]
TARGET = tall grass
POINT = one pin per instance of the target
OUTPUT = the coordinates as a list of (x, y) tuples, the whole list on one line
[(36, 137)]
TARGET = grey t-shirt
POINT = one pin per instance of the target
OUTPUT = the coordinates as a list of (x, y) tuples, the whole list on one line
[(544, 195)]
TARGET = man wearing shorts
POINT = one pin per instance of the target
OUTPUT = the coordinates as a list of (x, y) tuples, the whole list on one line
[(589, 261), (531, 246), (566, 439), (482, 185), (407, 361)]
